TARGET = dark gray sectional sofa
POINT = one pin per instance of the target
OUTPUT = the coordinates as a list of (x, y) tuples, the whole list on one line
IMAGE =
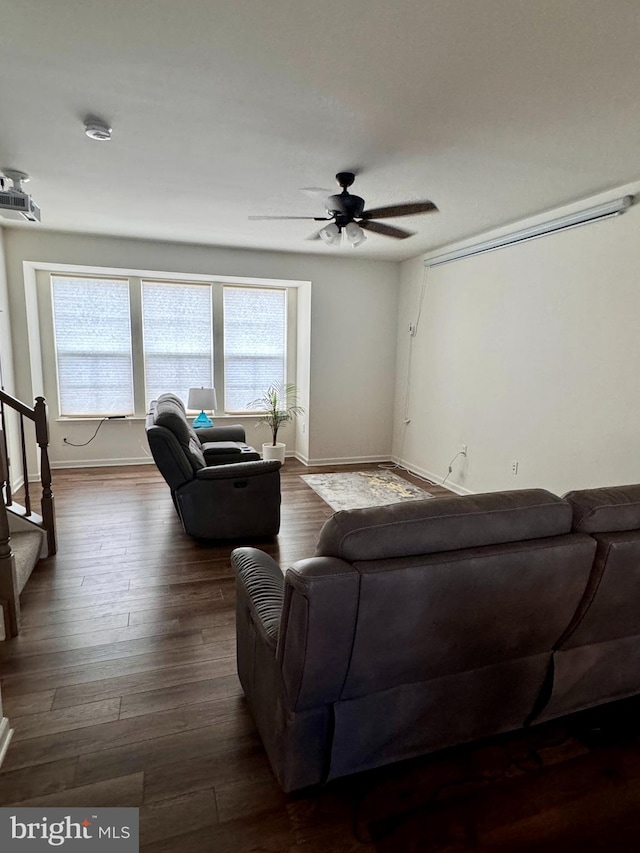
[(426, 624)]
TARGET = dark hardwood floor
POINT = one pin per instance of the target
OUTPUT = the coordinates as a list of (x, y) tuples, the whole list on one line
[(122, 691)]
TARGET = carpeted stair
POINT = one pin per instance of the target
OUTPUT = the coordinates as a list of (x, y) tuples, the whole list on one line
[(26, 546), (26, 550)]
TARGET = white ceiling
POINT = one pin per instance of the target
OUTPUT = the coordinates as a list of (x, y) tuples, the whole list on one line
[(493, 109)]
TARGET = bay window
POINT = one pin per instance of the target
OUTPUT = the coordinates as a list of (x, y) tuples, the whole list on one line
[(120, 342)]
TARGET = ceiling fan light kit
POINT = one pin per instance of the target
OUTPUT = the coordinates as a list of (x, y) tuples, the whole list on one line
[(346, 212), (331, 234), (355, 234)]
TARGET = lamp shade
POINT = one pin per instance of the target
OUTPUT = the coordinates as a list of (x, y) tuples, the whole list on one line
[(202, 398)]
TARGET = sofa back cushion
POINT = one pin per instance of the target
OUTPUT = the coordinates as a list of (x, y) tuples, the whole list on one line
[(170, 414), (605, 510), (598, 657), (443, 524), (611, 603), (436, 615)]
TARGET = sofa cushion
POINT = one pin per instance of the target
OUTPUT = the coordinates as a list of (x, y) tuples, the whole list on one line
[(443, 524), (170, 414), (606, 510)]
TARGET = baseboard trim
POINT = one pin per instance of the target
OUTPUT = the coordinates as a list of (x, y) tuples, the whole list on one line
[(6, 733), (351, 460), (103, 463), (434, 478), (16, 485)]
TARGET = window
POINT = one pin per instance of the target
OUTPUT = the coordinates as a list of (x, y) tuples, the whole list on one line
[(255, 342), (92, 329), (121, 342), (177, 337)]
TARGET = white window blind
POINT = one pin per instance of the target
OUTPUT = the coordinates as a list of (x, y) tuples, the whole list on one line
[(177, 337), (255, 337), (93, 346)]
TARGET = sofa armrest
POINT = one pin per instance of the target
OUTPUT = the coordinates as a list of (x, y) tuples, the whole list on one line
[(261, 585), (228, 432), (240, 469), (297, 744)]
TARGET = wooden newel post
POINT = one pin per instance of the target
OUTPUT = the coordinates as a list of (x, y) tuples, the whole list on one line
[(48, 504)]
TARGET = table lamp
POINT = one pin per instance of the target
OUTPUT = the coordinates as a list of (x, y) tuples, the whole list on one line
[(202, 398)]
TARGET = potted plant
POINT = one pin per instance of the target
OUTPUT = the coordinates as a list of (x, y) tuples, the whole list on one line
[(278, 405)]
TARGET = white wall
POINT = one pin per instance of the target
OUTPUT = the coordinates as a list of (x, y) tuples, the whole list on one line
[(6, 356), (352, 330), (528, 353), (6, 359)]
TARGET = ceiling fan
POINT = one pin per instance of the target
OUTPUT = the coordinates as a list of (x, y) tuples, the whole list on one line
[(347, 213)]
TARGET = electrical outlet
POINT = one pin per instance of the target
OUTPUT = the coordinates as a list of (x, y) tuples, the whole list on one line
[(463, 449), (514, 467)]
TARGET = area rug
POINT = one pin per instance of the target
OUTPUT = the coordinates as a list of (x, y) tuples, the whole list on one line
[(357, 489)]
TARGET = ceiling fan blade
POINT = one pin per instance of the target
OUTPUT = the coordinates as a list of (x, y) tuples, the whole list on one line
[(315, 236), (313, 192), (314, 218), (408, 209), (387, 230)]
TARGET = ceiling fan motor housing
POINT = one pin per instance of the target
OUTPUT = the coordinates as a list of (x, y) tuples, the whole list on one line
[(346, 205)]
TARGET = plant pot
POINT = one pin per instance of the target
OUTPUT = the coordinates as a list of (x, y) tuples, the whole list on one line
[(274, 451)]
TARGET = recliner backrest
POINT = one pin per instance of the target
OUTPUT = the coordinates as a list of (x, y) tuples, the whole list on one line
[(168, 412), (441, 586), (443, 524), (611, 605), (168, 454)]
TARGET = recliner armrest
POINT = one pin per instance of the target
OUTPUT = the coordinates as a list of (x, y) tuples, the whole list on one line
[(262, 583), (228, 432), (240, 469)]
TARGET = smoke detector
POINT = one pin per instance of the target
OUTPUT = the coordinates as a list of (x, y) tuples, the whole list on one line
[(97, 129)]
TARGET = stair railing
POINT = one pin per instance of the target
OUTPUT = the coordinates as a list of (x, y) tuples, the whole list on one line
[(38, 415), (9, 601)]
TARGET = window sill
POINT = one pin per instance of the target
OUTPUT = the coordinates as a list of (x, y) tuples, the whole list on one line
[(81, 420), (190, 416)]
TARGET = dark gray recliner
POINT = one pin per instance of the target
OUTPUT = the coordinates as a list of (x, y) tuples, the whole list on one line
[(414, 627), (219, 444), (214, 501), (597, 659)]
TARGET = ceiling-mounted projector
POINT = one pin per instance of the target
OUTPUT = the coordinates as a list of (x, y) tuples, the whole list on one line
[(15, 203)]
